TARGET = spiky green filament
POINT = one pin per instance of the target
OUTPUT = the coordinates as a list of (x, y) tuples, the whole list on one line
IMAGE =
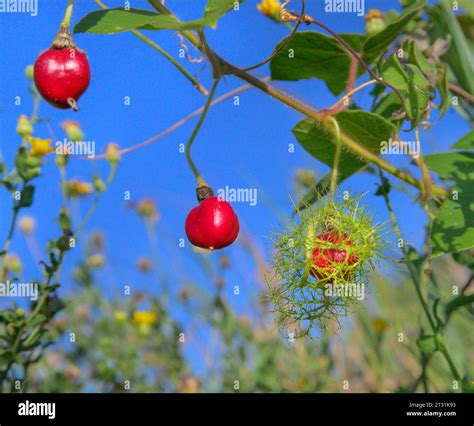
[(306, 295)]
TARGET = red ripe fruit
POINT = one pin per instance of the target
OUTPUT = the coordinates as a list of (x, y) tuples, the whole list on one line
[(328, 258), (212, 225), (62, 76)]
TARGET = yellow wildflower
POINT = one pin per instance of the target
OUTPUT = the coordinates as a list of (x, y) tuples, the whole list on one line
[(379, 324), (120, 316), (144, 317), (76, 188), (270, 8), (40, 147)]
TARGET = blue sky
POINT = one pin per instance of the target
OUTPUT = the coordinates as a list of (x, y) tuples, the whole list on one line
[(244, 146)]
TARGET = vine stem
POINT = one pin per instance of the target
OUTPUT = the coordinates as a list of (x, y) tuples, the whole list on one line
[(425, 173), (196, 130), (95, 202), (337, 157), (8, 241), (416, 281), (460, 91), (163, 52), (307, 110), (409, 265), (67, 15), (349, 94)]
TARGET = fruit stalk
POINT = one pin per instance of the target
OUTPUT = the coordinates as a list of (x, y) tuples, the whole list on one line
[(337, 157), (189, 145), (68, 14)]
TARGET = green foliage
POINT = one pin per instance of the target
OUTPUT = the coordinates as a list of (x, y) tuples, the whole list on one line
[(28, 166), (453, 228), (116, 343), (466, 142), (367, 129), (379, 42), (315, 55), (26, 196), (427, 344), (459, 302), (413, 86), (118, 20)]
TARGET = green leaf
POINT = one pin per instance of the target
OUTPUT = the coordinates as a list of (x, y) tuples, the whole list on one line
[(26, 197), (453, 228), (387, 106), (315, 55), (442, 84), (112, 21), (27, 166), (416, 57), (363, 127), (379, 42), (7, 356), (427, 344), (118, 20), (36, 320), (217, 8), (459, 302), (64, 220), (466, 142), (460, 56), (412, 84), (457, 166), (437, 74)]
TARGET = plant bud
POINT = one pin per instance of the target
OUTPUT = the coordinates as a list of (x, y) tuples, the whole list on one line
[(374, 21), (24, 127)]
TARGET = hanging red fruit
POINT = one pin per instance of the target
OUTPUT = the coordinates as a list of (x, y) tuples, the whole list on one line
[(329, 256), (62, 73), (213, 224)]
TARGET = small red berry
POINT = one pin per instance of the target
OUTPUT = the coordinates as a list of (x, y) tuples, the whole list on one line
[(329, 256), (212, 225), (62, 76)]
